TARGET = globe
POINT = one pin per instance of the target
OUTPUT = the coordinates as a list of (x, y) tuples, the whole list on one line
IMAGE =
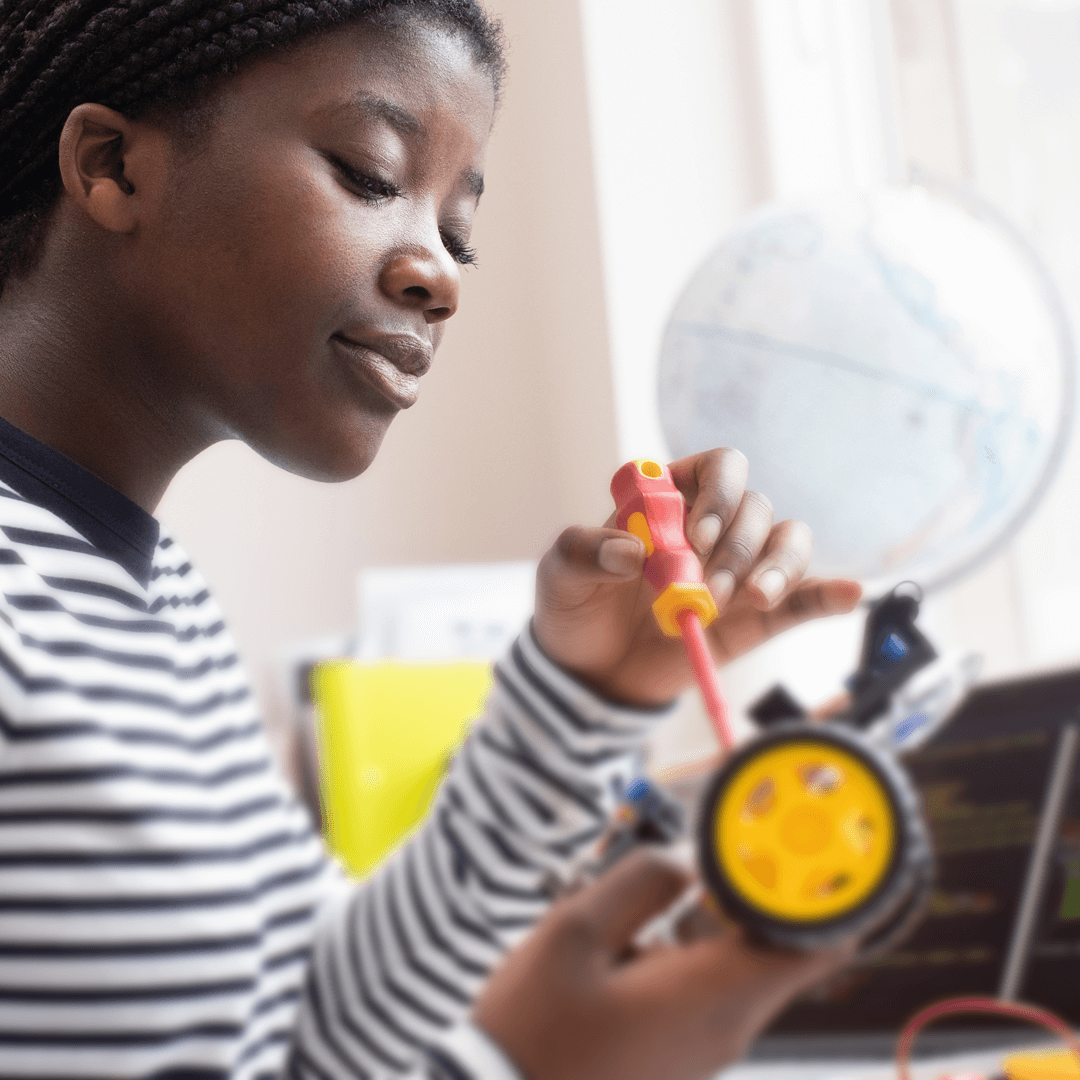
[(895, 365)]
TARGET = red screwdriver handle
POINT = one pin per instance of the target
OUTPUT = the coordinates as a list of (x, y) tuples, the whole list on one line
[(649, 505)]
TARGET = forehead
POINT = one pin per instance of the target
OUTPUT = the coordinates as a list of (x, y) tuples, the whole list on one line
[(418, 79)]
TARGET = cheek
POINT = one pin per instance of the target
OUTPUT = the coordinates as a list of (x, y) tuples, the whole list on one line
[(437, 330), (268, 269), (276, 265)]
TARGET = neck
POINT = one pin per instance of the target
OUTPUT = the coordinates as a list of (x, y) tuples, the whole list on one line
[(72, 377)]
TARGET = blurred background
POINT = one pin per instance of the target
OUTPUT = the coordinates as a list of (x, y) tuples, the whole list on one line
[(632, 136)]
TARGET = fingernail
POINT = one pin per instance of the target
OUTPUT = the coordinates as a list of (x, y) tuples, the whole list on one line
[(619, 556), (722, 586), (706, 533), (771, 584)]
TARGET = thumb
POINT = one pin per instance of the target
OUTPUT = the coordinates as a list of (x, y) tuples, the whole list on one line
[(634, 890), (582, 558)]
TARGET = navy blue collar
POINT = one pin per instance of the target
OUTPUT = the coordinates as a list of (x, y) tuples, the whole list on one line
[(120, 529)]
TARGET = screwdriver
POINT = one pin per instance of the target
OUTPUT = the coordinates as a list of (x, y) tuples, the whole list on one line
[(649, 505)]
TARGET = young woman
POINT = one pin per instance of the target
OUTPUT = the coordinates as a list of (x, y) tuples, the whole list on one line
[(245, 219)]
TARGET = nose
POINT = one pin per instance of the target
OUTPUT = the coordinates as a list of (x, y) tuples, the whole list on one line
[(423, 280)]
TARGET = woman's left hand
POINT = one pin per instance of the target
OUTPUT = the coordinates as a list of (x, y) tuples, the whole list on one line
[(593, 607)]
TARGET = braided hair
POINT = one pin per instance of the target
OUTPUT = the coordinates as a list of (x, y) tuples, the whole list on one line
[(138, 56)]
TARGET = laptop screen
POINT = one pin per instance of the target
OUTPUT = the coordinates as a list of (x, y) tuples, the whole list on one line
[(1002, 797)]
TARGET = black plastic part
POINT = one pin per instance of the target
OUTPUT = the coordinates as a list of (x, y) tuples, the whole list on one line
[(894, 648), (895, 905), (775, 707)]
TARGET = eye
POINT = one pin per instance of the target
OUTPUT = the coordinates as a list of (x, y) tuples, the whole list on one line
[(370, 188), (460, 252)]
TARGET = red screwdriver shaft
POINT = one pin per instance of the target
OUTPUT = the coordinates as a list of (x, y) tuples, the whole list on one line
[(697, 649)]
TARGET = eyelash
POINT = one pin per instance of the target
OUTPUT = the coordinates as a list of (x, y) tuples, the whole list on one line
[(460, 252), (369, 188), (373, 190)]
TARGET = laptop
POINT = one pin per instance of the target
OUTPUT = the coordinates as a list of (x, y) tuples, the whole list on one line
[(1002, 794)]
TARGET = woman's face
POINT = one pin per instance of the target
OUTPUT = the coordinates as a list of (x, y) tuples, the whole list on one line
[(299, 271)]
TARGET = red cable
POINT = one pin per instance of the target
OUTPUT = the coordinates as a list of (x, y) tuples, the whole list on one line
[(697, 649), (1017, 1010)]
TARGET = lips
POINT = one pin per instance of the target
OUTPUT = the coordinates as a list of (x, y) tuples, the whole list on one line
[(391, 365)]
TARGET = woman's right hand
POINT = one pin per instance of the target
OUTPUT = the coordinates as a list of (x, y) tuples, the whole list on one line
[(574, 1002)]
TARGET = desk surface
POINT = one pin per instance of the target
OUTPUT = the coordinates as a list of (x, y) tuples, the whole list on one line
[(985, 1063)]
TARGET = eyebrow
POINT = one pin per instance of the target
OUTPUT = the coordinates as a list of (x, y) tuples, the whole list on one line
[(404, 123), (475, 182), (401, 120)]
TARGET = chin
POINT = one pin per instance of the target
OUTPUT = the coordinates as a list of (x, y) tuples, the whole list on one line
[(328, 460)]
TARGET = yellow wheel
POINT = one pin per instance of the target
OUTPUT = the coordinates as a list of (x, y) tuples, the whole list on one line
[(808, 834)]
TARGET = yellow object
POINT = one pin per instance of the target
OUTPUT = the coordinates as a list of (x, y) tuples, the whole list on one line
[(679, 597), (1047, 1065), (805, 831), (637, 525), (647, 467), (386, 733)]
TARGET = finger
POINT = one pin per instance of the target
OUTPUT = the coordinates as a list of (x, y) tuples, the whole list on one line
[(814, 598), (587, 556), (833, 706), (762, 977), (734, 557), (780, 974), (699, 922), (635, 889), (781, 564), (713, 485)]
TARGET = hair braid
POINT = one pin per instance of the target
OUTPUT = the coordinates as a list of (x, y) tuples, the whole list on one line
[(137, 55)]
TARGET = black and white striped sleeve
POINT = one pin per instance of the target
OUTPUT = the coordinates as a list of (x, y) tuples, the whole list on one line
[(398, 960)]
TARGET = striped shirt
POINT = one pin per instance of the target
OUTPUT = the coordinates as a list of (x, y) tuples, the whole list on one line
[(165, 908)]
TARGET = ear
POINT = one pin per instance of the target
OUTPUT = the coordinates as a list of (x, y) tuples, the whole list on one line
[(107, 163)]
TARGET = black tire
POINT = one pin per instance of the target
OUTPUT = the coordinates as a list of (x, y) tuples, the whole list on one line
[(882, 939), (895, 905)]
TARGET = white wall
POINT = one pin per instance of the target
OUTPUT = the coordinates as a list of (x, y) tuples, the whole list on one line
[(723, 104), (1021, 79), (673, 169), (698, 117)]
